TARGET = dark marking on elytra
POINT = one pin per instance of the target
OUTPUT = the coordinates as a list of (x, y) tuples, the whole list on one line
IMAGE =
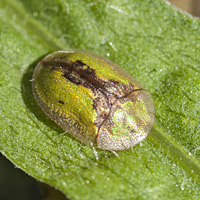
[(61, 102), (107, 92)]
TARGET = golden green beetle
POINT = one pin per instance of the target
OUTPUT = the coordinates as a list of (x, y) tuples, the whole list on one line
[(93, 99)]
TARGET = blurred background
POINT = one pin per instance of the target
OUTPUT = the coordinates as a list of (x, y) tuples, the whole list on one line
[(15, 184), (190, 6)]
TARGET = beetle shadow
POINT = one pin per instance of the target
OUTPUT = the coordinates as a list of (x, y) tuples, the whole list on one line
[(29, 100)]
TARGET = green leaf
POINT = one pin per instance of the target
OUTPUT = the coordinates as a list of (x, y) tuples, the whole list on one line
[(157, 44)]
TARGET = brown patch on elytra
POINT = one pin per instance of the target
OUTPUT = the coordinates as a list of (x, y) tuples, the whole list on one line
[(108, 93)]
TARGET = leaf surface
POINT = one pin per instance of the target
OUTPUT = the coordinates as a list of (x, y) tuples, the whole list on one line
[(152, 41)]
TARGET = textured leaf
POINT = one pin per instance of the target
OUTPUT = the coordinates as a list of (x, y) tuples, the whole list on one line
[(158, 45)]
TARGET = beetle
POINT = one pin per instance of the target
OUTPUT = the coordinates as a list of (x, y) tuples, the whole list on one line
[(93, 99)]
